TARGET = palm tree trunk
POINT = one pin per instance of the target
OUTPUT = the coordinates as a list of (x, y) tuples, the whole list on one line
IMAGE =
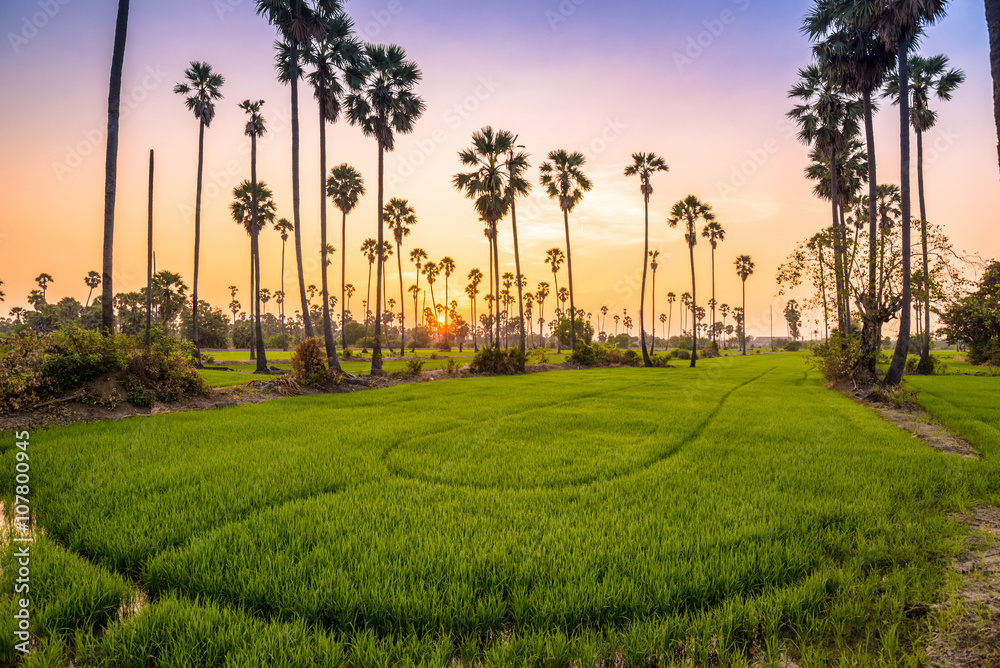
[(496, 283), (446, 306), (491, 299), (713, 298), (253, 282), (149, 256), (869, 335), (111, 169), (848, 263), (822, 289), (993, 21), (402, 300), (331, 343), (694, 308), (520, 290), (743, 325), (475, 342), (416, 312), (296, 214), (652, 344), (925, 344), (838, 248), (569, 269), (255, 261), (343, 280), (642, 299), (555, 279), (368, 305), (197, 245), (284, 336), (898, 364), (670, 322), (377, 348)]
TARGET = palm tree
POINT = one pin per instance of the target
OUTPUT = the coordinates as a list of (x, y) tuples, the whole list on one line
[(472, 290), (518, 186), (565, 182), (644, 165), (92, 280), (370, 250), (488, 187), (671, 298), (111, 168), (256, 128), (689, 211), (829, 119), (382, 104), (431, 272), (417, 256), (604, 319), (744, 269), (202, 88), (282, 227), (345, 187), (298, 22), (617, 318), (380, 298), (400, 217), (929, 77), (447, 266), (43, 281), (993, 22), (554, 257), (654, 265), (714, 233), (17, 313), (686, 303), (724, 310), (541, 294)]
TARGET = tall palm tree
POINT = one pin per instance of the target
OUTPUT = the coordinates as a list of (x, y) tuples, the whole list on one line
[(715, 234), (334, 52), (541, 294), (689, 211), (487, 185), (382, 105), (431, 271), (829, 119), (855, 57), (111, 168), (565, 182), (345, 187), (92, 280), (644, 165), (400, 217), (202, 88), (298, 23), (993, 23), (43, 281), (554, 257), (654, 265), (255, 128), (447, 268), (472, 290), (724, 310), (744, 269), (686, 303), (381, 298), (671, 298), (417, 257), (282, 227), (370, 250), (930, 77)]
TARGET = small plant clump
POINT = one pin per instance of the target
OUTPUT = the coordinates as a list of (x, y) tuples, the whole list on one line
[(597, 355), (453, 366), (414, 366), (309, 363), (497, 361)]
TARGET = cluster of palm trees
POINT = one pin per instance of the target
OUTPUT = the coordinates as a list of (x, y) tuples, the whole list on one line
[(862, 49)]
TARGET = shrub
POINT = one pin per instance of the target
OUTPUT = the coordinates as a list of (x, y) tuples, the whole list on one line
[(682, 354), (453, 366), (309, 362), (161, 374), (913, 365), (986, 352), (74, 356), (604, 356), (793, 346), (498, 361), (444, 346), (346, 354), (21, 382), (414, 366), (840, 358), (541, 357)]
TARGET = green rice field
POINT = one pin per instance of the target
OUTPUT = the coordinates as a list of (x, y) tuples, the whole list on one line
[(732, 514)]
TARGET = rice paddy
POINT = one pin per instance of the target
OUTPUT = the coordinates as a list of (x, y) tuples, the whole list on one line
[(646, 516)]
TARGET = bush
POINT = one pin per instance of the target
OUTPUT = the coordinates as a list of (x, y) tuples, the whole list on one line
[(453, 366), (74, 356), (309, 362), (541, 357), (21, 382), (682, 354), (444, 346), (346, 354), (414, 366), (913, 365), (985, 352), (839, 359), (498, 361), (793, 346), (598, 355)]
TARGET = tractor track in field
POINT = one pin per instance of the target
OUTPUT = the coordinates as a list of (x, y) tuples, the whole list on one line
[(400, 472)]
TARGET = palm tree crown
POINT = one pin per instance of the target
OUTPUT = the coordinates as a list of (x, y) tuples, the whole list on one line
[(345, 186), (383, 101), (202, 87)]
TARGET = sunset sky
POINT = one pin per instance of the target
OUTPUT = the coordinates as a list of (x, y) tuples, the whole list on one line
[(701, 83)]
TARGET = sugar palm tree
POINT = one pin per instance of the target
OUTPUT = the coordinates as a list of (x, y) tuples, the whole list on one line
[(255, 128), (604, 319), (417, 257), (744, 269), (202, 88), (689, 211), (993, 23), (565, 182), (724, 310), (370, 250), (472, 290), (930, 77), (43, 281), (384, 104), (381, 298), (715, 234), (111, 168), (298, 22), (487, 186), (686, 303), (542, 291), (400, 217), (829, 119), (345, 187), (283, 227), (431, 271), (92, 280), (671, 298), (447, 268), (654, 265), (518, 186), (644, 165)]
